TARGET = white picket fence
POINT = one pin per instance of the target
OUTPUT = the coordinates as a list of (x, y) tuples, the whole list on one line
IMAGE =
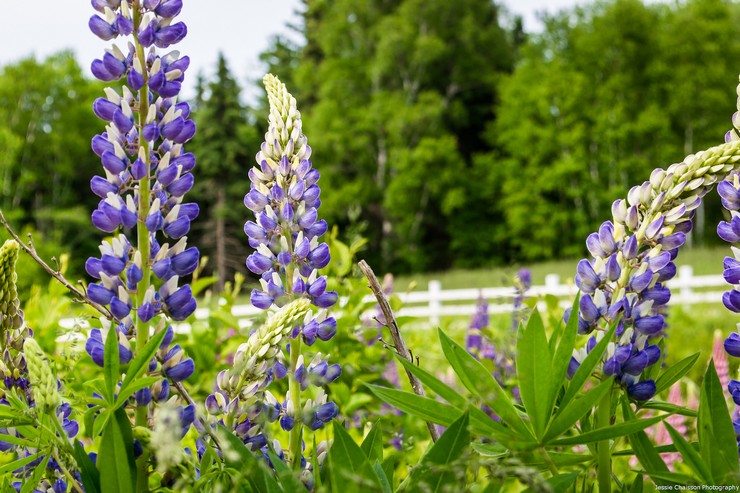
[(436, 302)]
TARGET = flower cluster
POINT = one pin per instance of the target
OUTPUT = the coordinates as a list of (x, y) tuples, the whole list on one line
[(522, 284), (27, 376), (632, 259), (284, 197), (146, 176)]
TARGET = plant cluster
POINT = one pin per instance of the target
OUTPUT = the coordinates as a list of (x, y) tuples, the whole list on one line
[(543, 414)]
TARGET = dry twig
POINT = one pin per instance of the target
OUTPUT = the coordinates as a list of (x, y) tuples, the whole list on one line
[(398, 342)]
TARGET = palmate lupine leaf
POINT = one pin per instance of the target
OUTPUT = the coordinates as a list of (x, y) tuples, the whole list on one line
[(479, 381)]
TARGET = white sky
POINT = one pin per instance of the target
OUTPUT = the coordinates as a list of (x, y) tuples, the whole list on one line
[(240, 28)]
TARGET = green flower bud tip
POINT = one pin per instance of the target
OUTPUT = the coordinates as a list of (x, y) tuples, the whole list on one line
[(43, 383), (9, 304)]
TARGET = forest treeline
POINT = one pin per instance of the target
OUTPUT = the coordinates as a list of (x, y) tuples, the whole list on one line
[(445, 134)]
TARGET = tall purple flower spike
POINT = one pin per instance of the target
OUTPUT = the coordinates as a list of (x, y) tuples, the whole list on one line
[(146, 174), (633, 257)]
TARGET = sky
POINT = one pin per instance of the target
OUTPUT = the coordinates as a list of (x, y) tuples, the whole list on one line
[(241, 29)]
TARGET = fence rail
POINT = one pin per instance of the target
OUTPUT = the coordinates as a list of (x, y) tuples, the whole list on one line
[(436, 302)]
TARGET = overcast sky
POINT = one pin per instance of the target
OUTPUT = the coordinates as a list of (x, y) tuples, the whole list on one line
[(239, 28)]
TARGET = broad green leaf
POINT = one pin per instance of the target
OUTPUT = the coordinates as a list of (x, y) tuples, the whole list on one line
[(716, 433), (490, 450), (38, 473), (637, 484), (615, 431), (587, 367), (140, 363), (575, 410), (288, 479), (562, 355), (116, 458), (440, 413), (690, 456), (20, 441), (534, 372), (478, 380), (111, 364), (389, 467), (644, 450), (349, 464), (436, 470), (88, 472), (17, 464), (434, 384), (101, 420), (243, 460), (674, 373), (372, 445), (385, 483)]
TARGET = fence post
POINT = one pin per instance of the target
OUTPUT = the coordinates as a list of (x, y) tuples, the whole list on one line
[(435, 301), (552, 281), (685, 273)]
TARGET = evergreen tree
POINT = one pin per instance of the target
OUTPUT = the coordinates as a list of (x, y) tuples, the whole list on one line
[(223, 145)]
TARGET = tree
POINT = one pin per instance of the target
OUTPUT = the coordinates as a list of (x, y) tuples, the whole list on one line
[(223, 145)]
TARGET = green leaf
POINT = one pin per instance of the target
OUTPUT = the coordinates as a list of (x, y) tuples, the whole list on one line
[(17, 464), (478, 380), (559, 483), (101, 420), (562, 355), (111, 364), (38, 473), (385, 484), (490, 450), (716, 433), (575, 410), (669, 408), (643, 449), (288, 479), (372, 445), (349, 464), (534, 371), (675, 372), (140, 363), (690, 456), (434, 384), (139, 384), (587, 367), (437, 469), (243, 460), (437, 412), (637, 484), (389, 467), (116, 458), (615, 431), (89, 473)]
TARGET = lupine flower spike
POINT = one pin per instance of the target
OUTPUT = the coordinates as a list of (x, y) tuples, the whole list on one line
[(285, 232), (632, 259), (145, 177)]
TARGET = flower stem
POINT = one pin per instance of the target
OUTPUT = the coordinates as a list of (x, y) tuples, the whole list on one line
[(294, 389), (604, 457), (143, 244)]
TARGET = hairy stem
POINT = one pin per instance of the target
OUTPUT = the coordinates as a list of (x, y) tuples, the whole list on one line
[(143, 243), (604, 457), (294, 389)]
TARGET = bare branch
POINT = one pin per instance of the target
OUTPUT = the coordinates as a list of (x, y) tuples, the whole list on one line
[(398, 342), (30, 249)]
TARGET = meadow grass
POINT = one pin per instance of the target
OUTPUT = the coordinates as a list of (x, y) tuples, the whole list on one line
[(704, 260)]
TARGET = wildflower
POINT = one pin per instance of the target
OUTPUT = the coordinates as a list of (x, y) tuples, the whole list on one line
[(633, 257)]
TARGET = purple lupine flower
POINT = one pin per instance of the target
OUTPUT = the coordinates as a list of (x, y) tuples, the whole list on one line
[(522, 283), (146, 173), (474, 339), (632, 259)]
